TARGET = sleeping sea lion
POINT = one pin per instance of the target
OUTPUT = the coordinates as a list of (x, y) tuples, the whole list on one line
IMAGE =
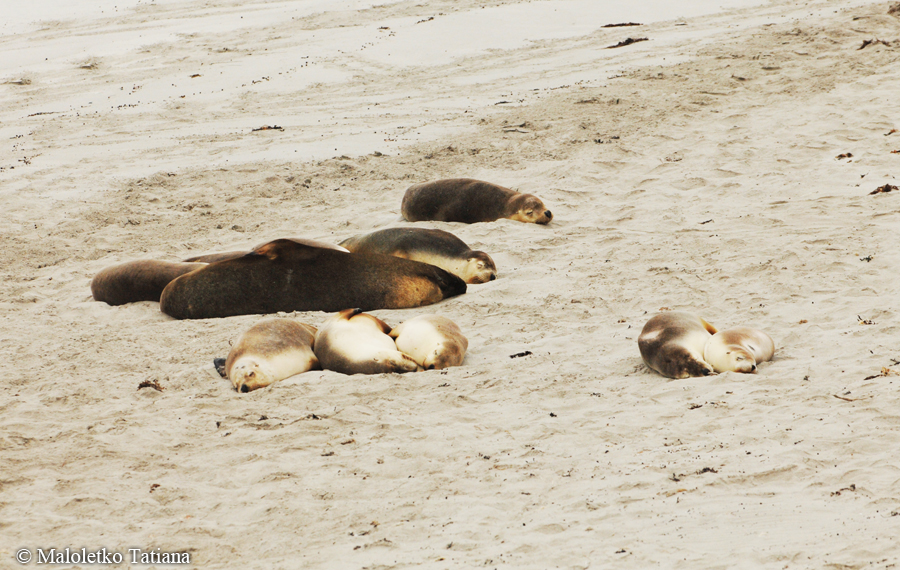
[(435, 247), (269, 351), (470, 201), (738, 350), (353, 342), (434, 342), (135, 281), (284, 275), (672, 343)]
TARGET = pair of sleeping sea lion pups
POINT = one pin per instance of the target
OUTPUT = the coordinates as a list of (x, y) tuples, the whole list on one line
[(681, 345), (350, 342)]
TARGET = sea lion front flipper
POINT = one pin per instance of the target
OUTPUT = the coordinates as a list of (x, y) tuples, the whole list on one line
[(219, 363), (709, 328)]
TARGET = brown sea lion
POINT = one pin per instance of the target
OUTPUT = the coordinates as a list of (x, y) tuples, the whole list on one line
[(470, 201), (353, 342), (284, 275), (738, 349), (435, 247), (672, 343), (434, 342), (269, 351), (214, 257), (135, 281)]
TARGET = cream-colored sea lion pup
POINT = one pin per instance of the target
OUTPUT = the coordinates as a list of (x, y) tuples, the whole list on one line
[(470, 201), (353, 342), (435, 247), (672, 343), (739, 349), (269, 351), (434, 342)]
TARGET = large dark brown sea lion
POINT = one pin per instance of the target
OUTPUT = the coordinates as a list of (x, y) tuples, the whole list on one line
[(269, 351), (672, 344), (435, 247), (284, 275), (353, 342), (224, 256), (470, 201), (135, 281)]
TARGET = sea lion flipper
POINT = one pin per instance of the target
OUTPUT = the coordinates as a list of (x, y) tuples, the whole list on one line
[(709, 328), (219, 363)]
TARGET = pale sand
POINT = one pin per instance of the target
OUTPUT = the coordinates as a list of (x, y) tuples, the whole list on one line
[(706, 181)]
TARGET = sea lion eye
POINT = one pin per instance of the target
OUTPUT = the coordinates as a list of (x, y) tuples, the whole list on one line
[(529, 212)]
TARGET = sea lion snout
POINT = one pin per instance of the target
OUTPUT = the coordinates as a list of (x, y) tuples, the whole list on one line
[(549, 215)]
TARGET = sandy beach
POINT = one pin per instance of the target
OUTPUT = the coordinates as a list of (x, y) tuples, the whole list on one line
[(725, 166)]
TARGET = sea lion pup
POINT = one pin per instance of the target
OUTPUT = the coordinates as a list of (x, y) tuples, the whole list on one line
[(353, 342), (269, 351), (435, 247), (214, 257), (470, 201), (134, 281), (434, 342), (738, 350), (285, 275), (672, 344)]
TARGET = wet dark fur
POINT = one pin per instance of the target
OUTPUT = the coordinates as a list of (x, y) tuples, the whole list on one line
[(284, 275), (459, 200), (137, 280)]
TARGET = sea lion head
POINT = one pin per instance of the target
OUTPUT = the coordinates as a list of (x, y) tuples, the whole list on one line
[(530, 209), (737, 359), (479, 268), (445, 355), (248, 374)]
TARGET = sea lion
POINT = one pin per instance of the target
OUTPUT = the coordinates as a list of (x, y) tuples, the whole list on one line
[(134, 281), (672, 344), (353, 342), (738, 350), (470, 201), (269, 351), (434, 342), (285, 275), (435, 247), (224, 256)]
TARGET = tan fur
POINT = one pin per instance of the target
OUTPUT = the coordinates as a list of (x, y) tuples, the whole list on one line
[(738, 349), (434, 342), (352, 342), (672, 344), (434, 247), (269, 351)]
